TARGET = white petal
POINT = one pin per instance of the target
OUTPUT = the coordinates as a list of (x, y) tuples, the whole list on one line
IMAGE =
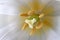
[(12, 32)]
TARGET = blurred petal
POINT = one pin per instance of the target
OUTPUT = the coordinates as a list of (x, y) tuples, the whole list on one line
[(49, 11), (34, 4), (24, 8)]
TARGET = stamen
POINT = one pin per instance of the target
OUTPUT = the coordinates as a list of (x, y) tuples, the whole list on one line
[(32, 31), (39, 25), (24, 26), (31, 12), (24, 14), (41, 15)]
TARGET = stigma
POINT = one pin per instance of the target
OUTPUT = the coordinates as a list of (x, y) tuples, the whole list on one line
[(30, 22)]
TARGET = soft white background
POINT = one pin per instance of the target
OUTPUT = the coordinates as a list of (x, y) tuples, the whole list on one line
[(9, 30)]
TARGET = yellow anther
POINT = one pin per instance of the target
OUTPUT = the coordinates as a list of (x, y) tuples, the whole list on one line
[(41, 15), (31, 12), (24, 26), (32, 31), (39, 26), (23, 14)]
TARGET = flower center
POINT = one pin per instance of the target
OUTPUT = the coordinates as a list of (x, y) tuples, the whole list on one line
[(33, 18)]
